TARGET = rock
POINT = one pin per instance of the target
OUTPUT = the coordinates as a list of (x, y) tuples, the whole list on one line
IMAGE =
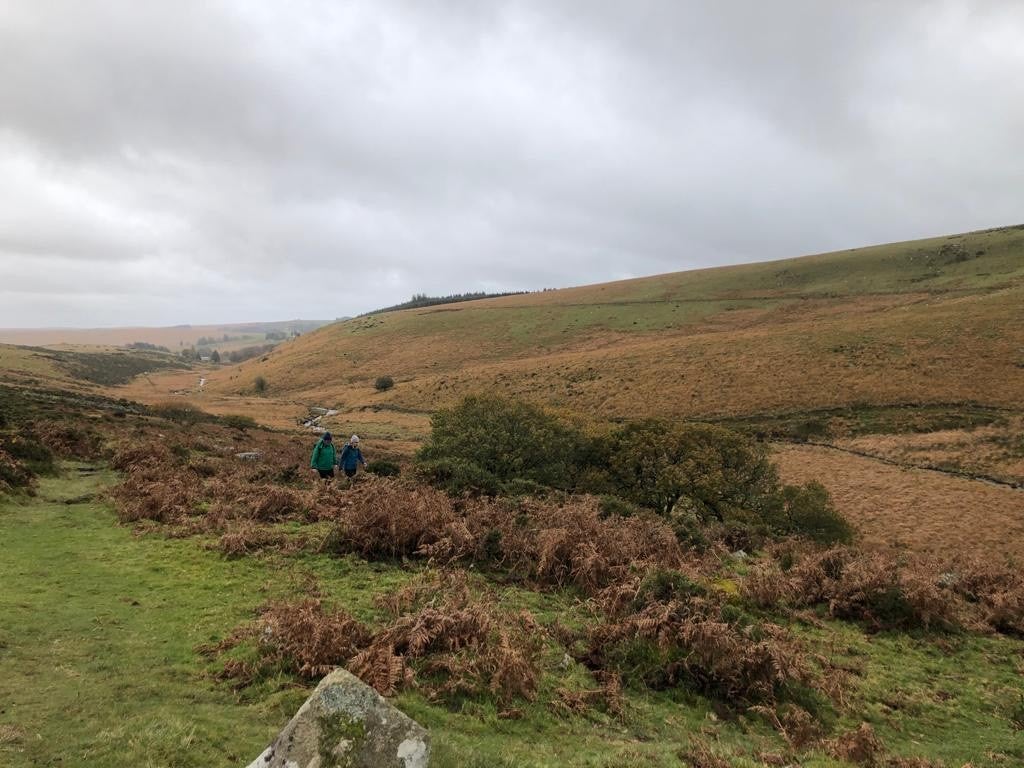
[(248, 455), (347, 724), (739, 554)]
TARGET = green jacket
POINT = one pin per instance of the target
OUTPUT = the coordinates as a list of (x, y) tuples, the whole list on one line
[(323, 456)]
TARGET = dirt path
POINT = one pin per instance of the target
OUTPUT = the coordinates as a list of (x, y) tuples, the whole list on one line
[(910, 507)]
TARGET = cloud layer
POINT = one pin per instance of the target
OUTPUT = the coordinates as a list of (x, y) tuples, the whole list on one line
[(225, 161)]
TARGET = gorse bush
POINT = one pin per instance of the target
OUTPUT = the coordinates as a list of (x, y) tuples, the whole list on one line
[(239, 422), (180, 413), (712, 472), (384, 468), (383, 383), (29, 451), (13, 474), (507, 439), (458, 477), (705, 479), (807, 511)]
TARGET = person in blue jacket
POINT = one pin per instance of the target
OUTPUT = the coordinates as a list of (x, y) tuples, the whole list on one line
[(351, 457)]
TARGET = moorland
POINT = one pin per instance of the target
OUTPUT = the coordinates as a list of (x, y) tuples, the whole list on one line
[(756, 515)]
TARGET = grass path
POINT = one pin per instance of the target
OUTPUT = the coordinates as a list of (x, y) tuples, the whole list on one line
[(97, 661)]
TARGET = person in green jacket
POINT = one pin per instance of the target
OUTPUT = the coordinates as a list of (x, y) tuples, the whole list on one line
[(324, 457)]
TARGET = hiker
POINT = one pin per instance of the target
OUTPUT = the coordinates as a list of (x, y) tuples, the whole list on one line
[(351, 457), (323, 458)]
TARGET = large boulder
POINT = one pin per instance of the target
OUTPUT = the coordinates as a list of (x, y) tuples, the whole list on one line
[(347, 724)]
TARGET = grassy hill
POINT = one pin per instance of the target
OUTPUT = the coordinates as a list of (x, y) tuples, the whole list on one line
[(928, 321), (173, 337), (905, 362), (78, 368)]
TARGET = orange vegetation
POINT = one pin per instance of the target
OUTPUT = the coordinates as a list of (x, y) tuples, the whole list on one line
[(914, 508), (995, 451)]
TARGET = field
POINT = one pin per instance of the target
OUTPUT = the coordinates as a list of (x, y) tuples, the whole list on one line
[(168, 604), (912, 508), (102, 659), (173, 337)]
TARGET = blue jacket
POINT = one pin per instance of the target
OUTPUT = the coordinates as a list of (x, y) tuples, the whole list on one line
[(350, 457)]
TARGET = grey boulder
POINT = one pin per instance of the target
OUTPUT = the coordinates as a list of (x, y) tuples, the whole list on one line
[(346, 724)]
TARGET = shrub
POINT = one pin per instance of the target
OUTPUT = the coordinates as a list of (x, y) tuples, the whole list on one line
[(145, 496), (879, 589), (139, 453), (993, 591), (458, 477), (246, 538), (260, 385), (384, 468), (507, 439), (302, 638), (443, 636), (521, 486), (694, 642), (390, 519), (28, 451), (807, 511), (239, 422), (860, 746), (271, 503), (68, 439), (613, 506), (180, 412), (13, 474), (383, 383), (555, 544), (457, 643), (701, 469)]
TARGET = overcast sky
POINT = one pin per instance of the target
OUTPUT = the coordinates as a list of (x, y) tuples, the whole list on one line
[(208, 161)]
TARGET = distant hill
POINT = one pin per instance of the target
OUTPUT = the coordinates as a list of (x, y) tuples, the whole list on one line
[(174, 338), (79, 369), (937, 320)]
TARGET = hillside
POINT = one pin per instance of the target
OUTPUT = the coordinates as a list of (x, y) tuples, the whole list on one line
[(888, 324), (173, 337), (79, 368)]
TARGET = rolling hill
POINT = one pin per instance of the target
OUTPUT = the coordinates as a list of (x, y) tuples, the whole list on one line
[(902, 364), (928, 321), (228, 336)]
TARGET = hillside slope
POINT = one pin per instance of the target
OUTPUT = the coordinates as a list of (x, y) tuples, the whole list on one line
[(227, 337), (928, 321)]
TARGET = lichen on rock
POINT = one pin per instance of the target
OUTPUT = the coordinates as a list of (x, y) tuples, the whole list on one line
[(346, 724)]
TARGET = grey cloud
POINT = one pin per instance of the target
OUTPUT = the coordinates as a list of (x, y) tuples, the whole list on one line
[(208, 161)]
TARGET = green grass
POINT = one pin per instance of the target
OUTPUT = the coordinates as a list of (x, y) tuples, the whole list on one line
[(971, 262), (98, 663), (948, 699)]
